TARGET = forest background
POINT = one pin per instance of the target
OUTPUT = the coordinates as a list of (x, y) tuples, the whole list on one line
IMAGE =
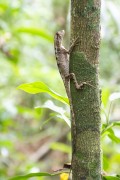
[(34, 129)]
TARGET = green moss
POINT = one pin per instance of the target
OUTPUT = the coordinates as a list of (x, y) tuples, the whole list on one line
[(86, 107), (91, 27), (84, 70), (80, 155), (91, 6)]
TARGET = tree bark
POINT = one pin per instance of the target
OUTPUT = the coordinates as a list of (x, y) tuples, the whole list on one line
[(86, 152)]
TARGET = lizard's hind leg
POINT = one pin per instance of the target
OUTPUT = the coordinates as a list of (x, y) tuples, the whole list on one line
[(72, 76), (78, 85)]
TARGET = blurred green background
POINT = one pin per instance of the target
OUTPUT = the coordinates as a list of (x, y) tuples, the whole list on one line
[(38, 139)]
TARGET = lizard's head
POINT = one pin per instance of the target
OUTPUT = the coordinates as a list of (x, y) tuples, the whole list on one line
[(60, 35)]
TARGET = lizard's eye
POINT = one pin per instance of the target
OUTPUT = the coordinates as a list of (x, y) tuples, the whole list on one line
[(57, 34)]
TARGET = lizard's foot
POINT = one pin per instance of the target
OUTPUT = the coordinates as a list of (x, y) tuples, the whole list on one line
[(81, 85)]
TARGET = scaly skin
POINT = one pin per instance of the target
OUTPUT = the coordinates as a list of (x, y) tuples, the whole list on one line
[(62, 58)]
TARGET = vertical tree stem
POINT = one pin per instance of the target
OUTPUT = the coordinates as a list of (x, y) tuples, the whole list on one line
[(85, 24)]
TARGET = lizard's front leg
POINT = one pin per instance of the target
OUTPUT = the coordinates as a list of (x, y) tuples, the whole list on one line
[(75, 43)]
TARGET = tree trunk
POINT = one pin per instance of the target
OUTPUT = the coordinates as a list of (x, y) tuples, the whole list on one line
[(86, 152)]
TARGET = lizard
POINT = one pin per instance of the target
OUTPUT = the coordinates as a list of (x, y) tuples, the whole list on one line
[(62, 58)]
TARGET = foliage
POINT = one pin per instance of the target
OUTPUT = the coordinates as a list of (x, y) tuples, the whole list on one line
[(30, 175), (26, 55), (63, 176), (111, 178), (39, 87)]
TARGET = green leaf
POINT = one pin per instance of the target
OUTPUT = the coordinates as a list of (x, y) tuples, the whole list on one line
[(31, 175), (61, 147), (39, 174), (106, 127), (3, 7), (105, 96), (108, 131), (40, 87), (112, 136), (36, 31), (110, 178), (116, 123), (106, 163), (6, 143), (57, 109)]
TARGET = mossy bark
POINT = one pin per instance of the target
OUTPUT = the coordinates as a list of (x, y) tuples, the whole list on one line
[(85, 24)]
